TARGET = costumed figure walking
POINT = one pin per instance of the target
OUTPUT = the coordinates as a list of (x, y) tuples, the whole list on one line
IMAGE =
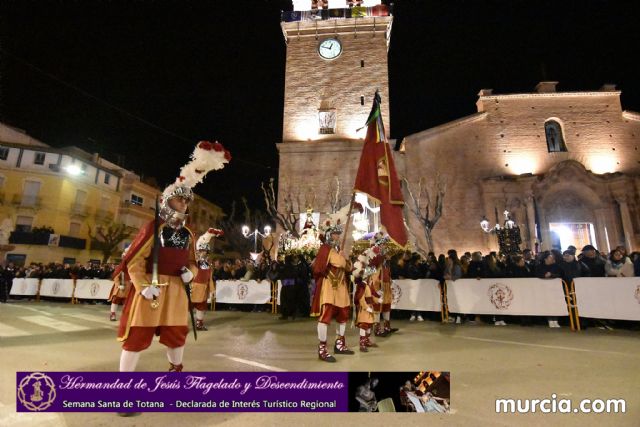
[(331, 299), (203, 284), (161, 263)]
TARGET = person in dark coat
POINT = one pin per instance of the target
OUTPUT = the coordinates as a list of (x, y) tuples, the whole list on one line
[(548, 269), (571, 267), (593, 261)]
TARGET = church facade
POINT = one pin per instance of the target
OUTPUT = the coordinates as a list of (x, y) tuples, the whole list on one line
[(564, 164)]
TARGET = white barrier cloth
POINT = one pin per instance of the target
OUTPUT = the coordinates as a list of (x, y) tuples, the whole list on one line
[(529, 296), (608, 297), (60, 288), (418, 295), (22, 286), (238, 292), (93, 289)]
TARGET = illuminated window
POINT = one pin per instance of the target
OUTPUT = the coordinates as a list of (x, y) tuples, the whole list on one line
[(327, 121), (554, 135)]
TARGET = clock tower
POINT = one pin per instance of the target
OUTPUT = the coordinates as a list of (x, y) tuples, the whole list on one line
[(336, 60)]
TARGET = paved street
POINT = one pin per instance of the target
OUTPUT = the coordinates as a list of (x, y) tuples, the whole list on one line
[(486, 363)]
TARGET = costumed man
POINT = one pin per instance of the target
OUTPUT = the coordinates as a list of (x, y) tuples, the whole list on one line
[(364, 298), (202, 284), (120, 289), (331, 299), (385, 274), (161, 263), (381, 283)]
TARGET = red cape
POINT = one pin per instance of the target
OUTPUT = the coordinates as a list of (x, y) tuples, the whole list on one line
[(319, 273), (141, 238)]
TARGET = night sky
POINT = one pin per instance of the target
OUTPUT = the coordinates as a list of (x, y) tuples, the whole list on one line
[(142, 81)]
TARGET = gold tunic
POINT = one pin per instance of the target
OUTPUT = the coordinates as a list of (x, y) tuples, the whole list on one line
[(174, 307), (334, 286)]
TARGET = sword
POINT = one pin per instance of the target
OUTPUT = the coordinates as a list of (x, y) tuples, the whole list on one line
[(155, 255), (193, 319)]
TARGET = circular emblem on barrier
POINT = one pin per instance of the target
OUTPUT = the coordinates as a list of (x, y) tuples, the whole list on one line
[(37, 392), (55, 288), (23, 287), (637, 294), (95, 287), (500, 296), (243, 290), (396, 293)]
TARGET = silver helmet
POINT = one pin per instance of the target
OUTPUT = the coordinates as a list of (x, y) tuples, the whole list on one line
[(173, 218)]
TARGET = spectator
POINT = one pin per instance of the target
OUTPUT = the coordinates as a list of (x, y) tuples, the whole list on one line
[(549, 270), (519, 268), (593, 261), (477, 268), (571, 267), (618, 265)]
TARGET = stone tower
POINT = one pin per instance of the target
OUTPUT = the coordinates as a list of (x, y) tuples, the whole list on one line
[(336, 59)]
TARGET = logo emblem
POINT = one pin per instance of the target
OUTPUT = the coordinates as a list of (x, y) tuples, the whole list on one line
[(23, 287), (37, 392), (637, 294), (500, 296), (95, 286), (55, 288), (396, 293), (243, 290)]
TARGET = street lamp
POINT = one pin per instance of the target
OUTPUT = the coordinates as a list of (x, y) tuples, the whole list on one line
[(509, 238), (246, 232)]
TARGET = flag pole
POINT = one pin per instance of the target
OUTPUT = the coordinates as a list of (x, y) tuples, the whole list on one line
[(346, 228)]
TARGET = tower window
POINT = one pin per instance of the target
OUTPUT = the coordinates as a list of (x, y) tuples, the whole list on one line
[(361, 99), (362, 63), (327, 121), (554, 135)]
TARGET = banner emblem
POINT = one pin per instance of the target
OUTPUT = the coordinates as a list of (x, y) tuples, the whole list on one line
[(36, 392), (243, 290), (500, 296)]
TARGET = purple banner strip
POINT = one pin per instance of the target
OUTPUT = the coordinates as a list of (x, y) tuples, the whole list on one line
[(182, 392)]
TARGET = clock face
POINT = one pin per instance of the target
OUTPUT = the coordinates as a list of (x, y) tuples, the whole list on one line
[(330, 49)]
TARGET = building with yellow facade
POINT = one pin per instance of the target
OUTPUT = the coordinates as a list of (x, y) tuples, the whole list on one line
[(52, 199)]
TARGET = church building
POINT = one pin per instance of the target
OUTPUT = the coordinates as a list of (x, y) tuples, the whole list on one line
[(565, 165)]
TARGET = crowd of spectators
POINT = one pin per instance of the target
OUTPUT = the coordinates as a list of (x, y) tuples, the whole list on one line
[(55, 270), (548, 264), (553, 264)]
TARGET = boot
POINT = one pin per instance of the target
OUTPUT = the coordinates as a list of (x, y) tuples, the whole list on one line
[(369, 343), (112, 317), (363, 344), (200, 325), (340, 346), (379, 331), (323, 354), (175, 368), (388, 329)]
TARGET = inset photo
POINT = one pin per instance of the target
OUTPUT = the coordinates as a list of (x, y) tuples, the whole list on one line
[(423, 391)]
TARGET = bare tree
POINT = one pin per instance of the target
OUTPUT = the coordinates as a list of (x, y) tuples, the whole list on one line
[(422, 207), (335, 198), (288, 215), (107, 239)]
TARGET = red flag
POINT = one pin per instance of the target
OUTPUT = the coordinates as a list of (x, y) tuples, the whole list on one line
[(377, 176)]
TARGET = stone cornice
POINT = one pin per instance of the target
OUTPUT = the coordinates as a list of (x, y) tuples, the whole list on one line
[(550, 95), (295, 147), (446, 126), (631, 115)]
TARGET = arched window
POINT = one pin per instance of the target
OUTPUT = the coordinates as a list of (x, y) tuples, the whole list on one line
[(554, 135)]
